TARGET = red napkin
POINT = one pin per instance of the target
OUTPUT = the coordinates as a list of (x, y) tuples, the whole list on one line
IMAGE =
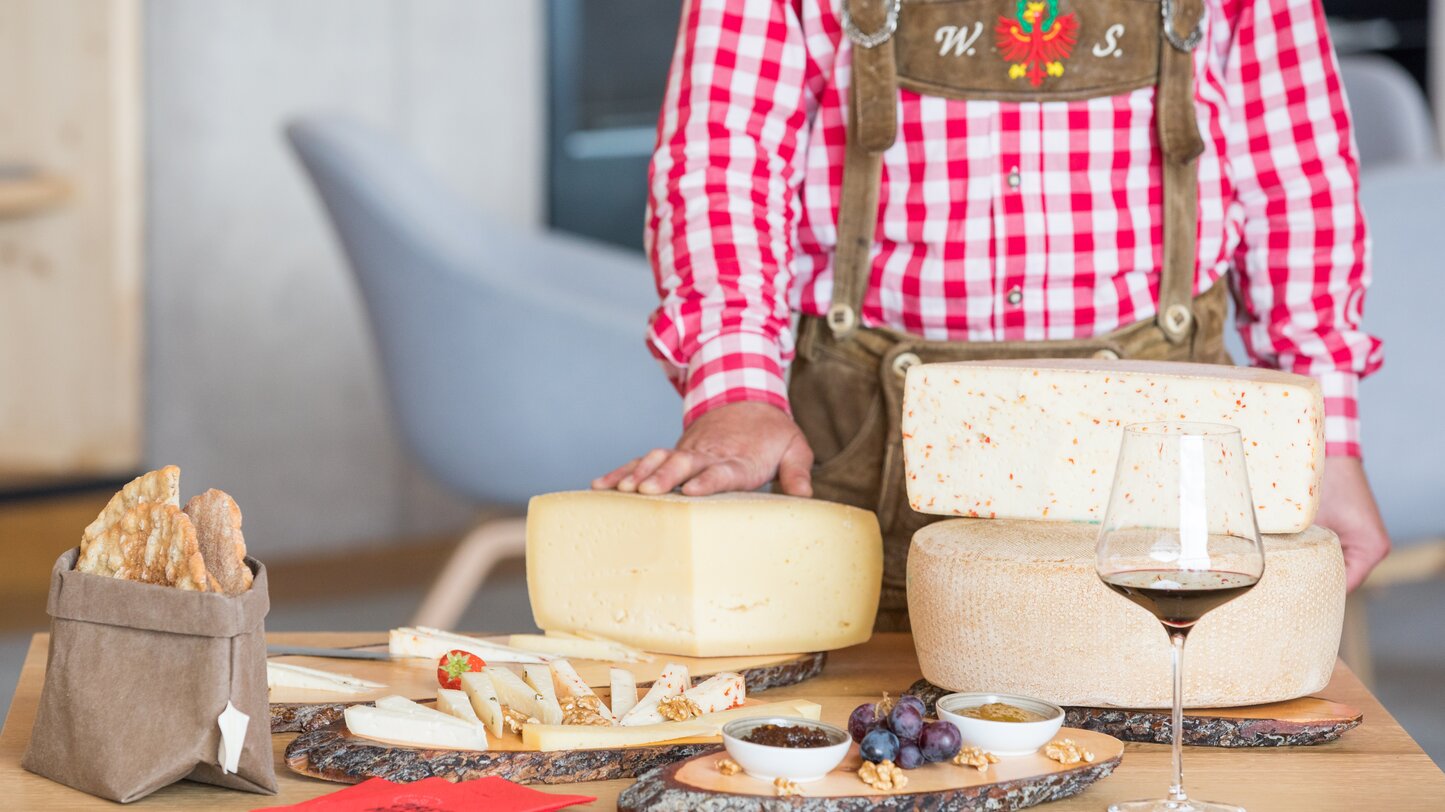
[(436, 795)]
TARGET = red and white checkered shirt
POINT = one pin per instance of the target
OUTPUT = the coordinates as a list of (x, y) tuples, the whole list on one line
[(998, 221)]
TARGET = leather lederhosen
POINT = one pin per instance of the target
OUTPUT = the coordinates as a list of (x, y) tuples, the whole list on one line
[(847, 380)]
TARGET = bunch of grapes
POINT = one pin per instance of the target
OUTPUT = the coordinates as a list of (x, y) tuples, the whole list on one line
[(901, 735)]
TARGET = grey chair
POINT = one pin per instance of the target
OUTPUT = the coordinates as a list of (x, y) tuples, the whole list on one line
[(514, 359), (1391, 116)]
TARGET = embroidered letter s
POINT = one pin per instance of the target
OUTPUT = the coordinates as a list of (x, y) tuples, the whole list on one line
[(1110, 45)]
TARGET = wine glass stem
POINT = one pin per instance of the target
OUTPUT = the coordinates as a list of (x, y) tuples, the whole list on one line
[(1176, 659)]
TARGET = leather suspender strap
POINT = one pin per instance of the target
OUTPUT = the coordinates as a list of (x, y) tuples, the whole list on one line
[(1180, 145), (872, 127)]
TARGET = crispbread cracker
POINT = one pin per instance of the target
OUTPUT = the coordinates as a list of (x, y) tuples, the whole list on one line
[(217, 518), (162, 487), (152, 542)]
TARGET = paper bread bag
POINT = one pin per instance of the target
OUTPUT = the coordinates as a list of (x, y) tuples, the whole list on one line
[(138, 678)]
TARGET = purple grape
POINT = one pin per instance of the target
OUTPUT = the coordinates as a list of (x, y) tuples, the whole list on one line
[(906, 721), (909, 756), (910, 699), (863, 719), (879, 745), (939, 741)]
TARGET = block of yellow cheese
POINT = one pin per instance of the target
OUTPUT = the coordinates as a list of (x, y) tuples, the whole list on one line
[(1016, 607), (1038, 439), (713, 576)]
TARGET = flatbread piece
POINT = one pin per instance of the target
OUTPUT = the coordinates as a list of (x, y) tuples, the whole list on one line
[(154, 543), (217, 518), (162, 487)]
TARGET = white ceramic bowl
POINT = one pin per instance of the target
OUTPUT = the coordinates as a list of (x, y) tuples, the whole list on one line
[(800, 764), (1002, 738)]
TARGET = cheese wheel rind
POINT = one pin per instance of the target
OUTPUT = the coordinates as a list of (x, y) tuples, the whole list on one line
[(1039, 438), (1017, 607)]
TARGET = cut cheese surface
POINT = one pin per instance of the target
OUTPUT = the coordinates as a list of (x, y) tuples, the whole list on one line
[(1039, 439), (414, 729), (710, 576), (285, 675), (1017, 607)]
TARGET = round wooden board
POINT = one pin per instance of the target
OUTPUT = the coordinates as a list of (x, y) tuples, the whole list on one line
[(1012, 783), (334, 753), (1305, 721), (296, 711)]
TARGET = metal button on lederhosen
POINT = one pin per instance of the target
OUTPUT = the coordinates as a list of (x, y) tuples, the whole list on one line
[(847, 382)]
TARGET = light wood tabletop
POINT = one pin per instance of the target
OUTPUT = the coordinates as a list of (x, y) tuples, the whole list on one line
[(1376, 765)]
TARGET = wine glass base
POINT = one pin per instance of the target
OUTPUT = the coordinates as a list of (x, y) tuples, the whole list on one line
[(1165, 805)]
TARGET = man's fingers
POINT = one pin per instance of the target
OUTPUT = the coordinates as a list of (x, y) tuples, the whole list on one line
[(644, 468), (795, 469), (609, 480), (677, 469), (718, 478)]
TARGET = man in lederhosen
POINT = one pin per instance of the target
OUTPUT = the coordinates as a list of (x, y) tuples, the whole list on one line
[(966, 179)]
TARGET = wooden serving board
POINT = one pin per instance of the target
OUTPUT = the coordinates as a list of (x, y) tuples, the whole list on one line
[(1305, 721), (295, 710), (334, 753), (1012, 783)]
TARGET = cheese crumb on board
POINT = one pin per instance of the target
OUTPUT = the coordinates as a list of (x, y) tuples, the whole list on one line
[(1017, 607), (723, 575), (1039, 439)]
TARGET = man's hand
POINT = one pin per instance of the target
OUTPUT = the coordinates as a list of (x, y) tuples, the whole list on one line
[(737, 447), (1348, 508)]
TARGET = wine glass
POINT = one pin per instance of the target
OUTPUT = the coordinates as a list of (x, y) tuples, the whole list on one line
[(1179, 538)]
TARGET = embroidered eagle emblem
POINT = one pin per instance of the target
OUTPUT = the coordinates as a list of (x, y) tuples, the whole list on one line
[(1037, 41)]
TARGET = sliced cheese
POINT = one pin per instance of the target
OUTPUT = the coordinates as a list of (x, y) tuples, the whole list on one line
[(455, 703), (286, 675), (549, 738), (549, 712), (414, 730), (673, 681), (623, 693), (584, 737), (478, 688), (1039, 439), (718, 692), (730, 574), (570, 684), (634, 654), (1017, 607), (579, 648), (431, 644), (401, 704), (516, 694)]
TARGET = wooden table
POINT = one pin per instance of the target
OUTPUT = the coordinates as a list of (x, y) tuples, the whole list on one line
[(1376, 765)]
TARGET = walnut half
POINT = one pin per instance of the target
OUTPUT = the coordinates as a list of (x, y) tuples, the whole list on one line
[(727, 766), (1066, 751), (786, 788), (975, 757), (678, 708), (883, 776)]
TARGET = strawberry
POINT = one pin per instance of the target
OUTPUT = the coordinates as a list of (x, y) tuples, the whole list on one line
[(454, 664)]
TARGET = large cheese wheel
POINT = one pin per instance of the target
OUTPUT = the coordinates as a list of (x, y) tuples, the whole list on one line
[(732, 574), (1017, 607), (1038, 439)]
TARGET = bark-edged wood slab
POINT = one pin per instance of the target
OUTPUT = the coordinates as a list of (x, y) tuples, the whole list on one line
[(299, 717), (1011, 784), (334, 754), (1305, 721)]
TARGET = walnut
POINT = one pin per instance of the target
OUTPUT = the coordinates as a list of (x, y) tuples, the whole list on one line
[(727, 766), (882, 776), (786, 788), (514, 719), (975, 757), (1066, 751), (583, 710), (678, 708)]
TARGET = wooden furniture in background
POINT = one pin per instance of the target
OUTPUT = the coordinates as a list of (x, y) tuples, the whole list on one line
[(1377, 764), (70, 267)]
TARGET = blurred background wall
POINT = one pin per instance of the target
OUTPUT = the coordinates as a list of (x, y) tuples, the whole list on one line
[(261, 377)]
